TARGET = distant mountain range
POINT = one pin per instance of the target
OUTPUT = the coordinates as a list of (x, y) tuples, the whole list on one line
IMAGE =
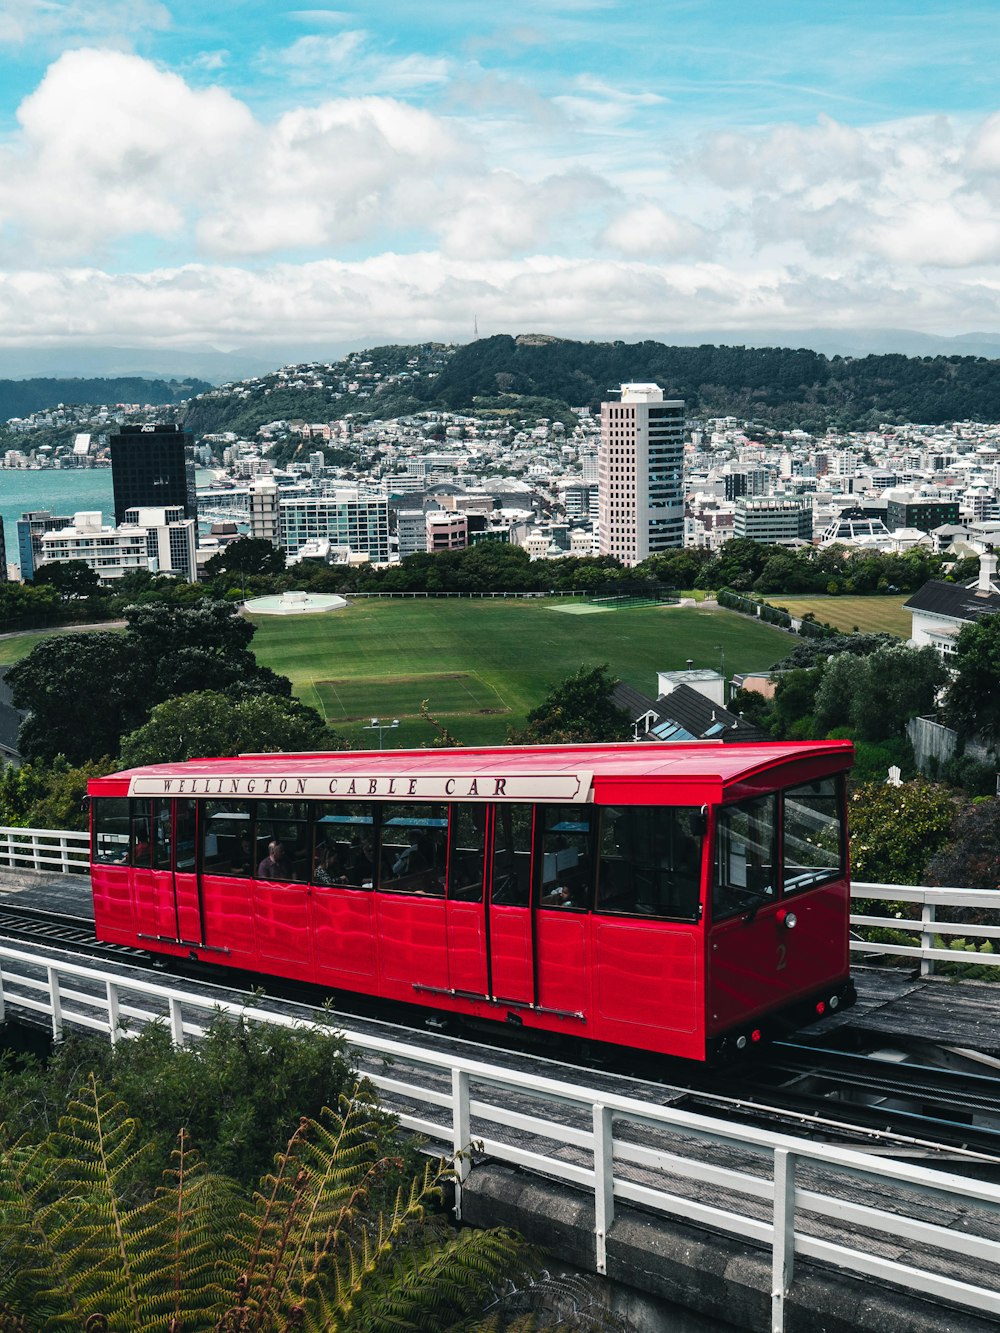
[(205, 362), (20, 398), (535, 375)]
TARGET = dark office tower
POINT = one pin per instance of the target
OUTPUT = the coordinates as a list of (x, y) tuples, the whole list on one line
[(153, 467)]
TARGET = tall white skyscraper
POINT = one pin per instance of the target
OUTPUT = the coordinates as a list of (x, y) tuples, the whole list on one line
[(640, 474)]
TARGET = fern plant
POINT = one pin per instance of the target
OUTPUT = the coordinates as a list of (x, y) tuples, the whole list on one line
[(308, 1250)]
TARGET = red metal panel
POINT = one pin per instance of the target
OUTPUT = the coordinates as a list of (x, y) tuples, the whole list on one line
[(413, 943), (467, 946), (511, 961), (188, 907), (281, 913), (227, 907), (562, 944), (760, 965), (146, 897), (113, 915), (344, 937), (649, 978)]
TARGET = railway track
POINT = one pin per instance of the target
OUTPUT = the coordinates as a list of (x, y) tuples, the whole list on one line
[(897, 1108)]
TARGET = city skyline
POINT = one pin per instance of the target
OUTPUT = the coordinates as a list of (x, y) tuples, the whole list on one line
[(256, 176)]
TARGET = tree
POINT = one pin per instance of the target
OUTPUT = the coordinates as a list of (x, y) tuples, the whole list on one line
[(247, 556), (40, 796), (84, 691), (205, 646), (972, 859), (972, 705), (895, 831), (580, 708), (209, 723), (70, 578), (877, 694)]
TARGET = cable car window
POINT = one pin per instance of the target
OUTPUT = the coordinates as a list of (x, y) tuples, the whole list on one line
[(227, 838), (567, 859), (812, 836), (744, 857), (140, 842), (163, 833), (111, 830), (512, 855), (466, 859), (413, 849), (344, 845), (281, 840), (650, 862), (185, 847)]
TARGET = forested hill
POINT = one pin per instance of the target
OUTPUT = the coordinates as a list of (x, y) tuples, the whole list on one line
[(19, 398), (776, 386)]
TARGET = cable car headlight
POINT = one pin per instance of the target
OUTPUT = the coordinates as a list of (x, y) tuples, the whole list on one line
[(785, 918)]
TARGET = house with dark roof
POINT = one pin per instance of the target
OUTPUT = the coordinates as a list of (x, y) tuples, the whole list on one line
[(10, 724), (939, 611), (685, 714)]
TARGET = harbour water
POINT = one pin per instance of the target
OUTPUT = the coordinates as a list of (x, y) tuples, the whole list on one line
[(60, 491)]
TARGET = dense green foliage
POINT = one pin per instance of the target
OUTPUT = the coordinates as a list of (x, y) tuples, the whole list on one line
[(972, 859), (877, 694), (252, 567), (580, 708), (20, 398), (247, 556), (344, 1231), (238, 1091), (780, 387), (85, 692), (895, 831), (973, 703), (209, 723), (519, 380), (47, 796)]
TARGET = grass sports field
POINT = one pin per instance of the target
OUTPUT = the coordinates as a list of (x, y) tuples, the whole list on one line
[(870, 614), (482, 665)]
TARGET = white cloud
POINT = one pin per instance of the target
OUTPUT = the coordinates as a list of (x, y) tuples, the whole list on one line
[(353, 60), (42, 21), (502, 214), (418, 296), (112, 146), (650, 232)]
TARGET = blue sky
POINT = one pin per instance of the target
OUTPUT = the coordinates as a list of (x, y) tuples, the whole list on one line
[(174, 173)]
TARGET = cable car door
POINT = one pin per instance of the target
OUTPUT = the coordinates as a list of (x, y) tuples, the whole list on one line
[(466, 914), (745, 960), (174, 876), (511, 946)]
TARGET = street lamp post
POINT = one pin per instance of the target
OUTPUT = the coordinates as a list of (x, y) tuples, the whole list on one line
[(722, 652), (378, 725)]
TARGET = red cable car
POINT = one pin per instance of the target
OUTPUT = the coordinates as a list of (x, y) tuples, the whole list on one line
[(673, 898)]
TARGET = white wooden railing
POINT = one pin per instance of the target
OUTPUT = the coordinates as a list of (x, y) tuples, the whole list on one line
[(61, 850), (797, 1198), (925, 914)]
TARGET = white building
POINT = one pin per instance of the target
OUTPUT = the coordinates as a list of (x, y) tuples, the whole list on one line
[(640, 474), (162, 541), (171, 540)]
